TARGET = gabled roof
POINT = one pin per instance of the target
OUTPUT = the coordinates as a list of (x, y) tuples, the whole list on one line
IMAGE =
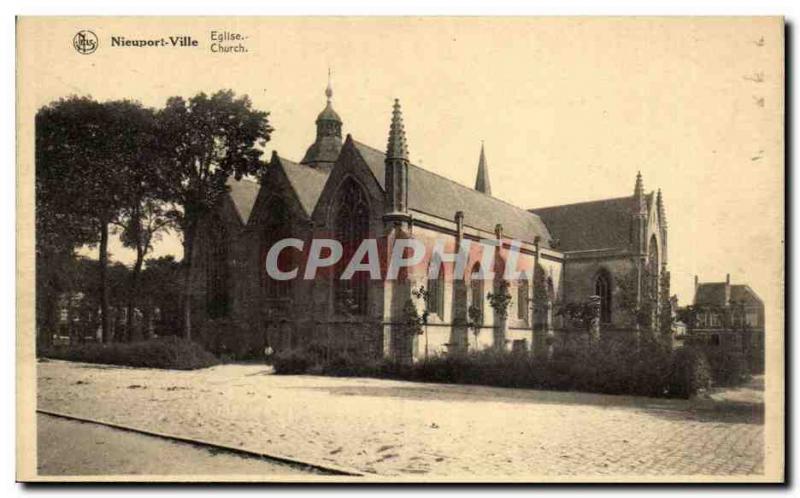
[(243, 193), (306, 181), (602, 224), (438, 196), (743, 293), (711, 293)]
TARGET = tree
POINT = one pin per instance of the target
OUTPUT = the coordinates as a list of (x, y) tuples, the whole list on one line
[(475, 322), (84, 153), (425, 296), (161, 286), (207, 139), (640, 306), (500, 300), (146, 212)]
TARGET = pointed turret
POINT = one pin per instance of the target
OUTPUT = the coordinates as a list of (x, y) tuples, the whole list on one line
[(662, 224), (482, 183), (639, 215), (638, 194), (325, 149), (397, 148), (396, 171)]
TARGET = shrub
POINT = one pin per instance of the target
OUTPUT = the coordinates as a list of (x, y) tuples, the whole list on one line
[(167, 352), (228, 339), (292, 362), (728, 368), (610, 367), (690, 372)]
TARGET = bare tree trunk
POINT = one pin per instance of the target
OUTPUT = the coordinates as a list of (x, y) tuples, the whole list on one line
[(104, 291), (188, 246), (133, 334)]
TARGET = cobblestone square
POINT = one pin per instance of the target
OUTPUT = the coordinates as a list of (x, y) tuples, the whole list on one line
[(405, 429)]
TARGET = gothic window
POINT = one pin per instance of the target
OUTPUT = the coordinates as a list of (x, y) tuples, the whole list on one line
[(436, 289), (476, 288), (602, 288), (217, 270), (522, 299), (276, 228), (351, 225)]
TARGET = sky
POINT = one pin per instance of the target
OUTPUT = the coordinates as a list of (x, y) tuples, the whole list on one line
[(569, 109)]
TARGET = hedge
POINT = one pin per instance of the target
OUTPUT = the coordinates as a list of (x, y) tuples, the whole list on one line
[(166, 352)]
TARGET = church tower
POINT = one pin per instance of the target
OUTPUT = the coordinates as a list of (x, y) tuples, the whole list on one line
[(325, 149), (482, 183)]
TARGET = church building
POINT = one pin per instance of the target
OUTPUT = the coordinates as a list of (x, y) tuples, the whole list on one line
[(611, 251)]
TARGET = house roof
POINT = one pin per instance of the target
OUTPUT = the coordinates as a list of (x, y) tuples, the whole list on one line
[(710, 293), (243, 193), (744, 294), (602, 224), (713, 293), (306, 181), (438, 196)]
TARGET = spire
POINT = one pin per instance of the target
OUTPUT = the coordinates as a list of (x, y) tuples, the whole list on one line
[(638, 190), (662, 215), (638, 194), (397, 147), (482, 183), (396, 171)]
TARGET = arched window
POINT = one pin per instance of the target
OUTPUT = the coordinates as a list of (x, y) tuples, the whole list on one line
[(436, 288), (476, 288), (276, 228), (602, 288), (351, 225), (523, 298), (217, 270)]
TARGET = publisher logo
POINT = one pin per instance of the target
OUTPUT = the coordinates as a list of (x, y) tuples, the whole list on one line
[(85, 42)]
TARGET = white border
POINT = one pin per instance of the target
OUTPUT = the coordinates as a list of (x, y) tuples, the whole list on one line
[(788, 8)]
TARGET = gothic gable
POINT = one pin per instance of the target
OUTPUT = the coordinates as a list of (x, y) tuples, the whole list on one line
[(350, 165)]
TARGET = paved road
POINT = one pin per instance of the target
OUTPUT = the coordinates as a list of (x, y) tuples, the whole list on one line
[(70, 448), (406, 429)]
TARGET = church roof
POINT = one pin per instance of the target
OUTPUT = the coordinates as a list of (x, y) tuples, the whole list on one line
[(328, 114), (243, 193), (603, 224), (306, 181), (441, 197), (323, 150)]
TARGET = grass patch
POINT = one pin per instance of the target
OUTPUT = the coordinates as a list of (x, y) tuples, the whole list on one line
[(167, 352)]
